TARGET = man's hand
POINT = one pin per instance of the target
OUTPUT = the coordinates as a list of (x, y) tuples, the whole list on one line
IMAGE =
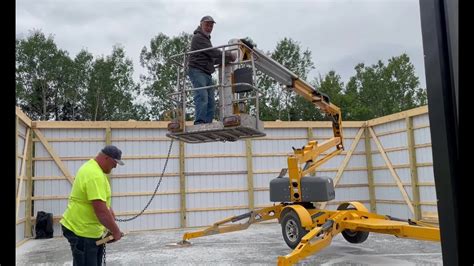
[(117, 236)]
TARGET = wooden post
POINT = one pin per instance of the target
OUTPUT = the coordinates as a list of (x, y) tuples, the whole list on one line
[(22, 174), (182, 184), (29, 186), (311, 137), (108, 136), (413, 169), (370, 171), (16, 152), (248, 145)]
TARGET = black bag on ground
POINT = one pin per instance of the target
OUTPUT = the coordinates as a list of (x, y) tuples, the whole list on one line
[(44, 225)]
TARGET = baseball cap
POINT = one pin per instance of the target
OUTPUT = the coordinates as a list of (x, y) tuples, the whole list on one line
[(207, 18), (113, 152)]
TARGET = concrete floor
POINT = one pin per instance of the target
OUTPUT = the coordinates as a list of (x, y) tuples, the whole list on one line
[(260, 244)]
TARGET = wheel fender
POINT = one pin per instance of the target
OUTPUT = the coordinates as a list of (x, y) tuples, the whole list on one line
[(359, 206), (303, 214)]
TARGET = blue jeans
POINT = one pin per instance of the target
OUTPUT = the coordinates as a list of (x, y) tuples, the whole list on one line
[(84, 250), (203, 99)]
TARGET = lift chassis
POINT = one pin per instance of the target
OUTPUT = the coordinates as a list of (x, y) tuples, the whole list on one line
[(309, 230), (306, 228)]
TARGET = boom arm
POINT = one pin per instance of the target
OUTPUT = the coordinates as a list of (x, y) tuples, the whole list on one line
[(309, 153)]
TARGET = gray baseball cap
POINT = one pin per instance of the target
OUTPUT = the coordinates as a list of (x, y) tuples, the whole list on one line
[(207, 18), (113, 152)]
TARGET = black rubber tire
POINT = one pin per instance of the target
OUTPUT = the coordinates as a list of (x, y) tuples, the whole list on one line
[(354, 237), (291, 229)]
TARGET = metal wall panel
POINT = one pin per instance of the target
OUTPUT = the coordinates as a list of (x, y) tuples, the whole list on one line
[(230, 169), (422, 135), (206, 218), (277, 146), (19, 232), (421, 120), (428, 194), (352, 194), (216, 200), (137, 203), (395, 210), (213, 182), (391, 193), (352, 177), (215, 148), (425, 174), (262, 198), (424, 155), (385, 176)]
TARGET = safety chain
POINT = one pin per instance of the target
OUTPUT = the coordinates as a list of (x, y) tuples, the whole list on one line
[(151, 199)]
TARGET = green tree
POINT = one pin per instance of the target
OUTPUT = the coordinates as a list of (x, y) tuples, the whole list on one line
[(380, 90), (162, 74), (42, 72), (111, 89)]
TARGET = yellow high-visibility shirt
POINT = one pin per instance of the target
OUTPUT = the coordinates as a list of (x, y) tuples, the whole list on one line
[(90, 184)]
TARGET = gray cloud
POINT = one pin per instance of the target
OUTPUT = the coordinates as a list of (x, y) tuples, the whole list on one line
[(340, 33)]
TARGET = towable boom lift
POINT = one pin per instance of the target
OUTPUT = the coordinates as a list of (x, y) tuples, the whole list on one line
[(305, 228)]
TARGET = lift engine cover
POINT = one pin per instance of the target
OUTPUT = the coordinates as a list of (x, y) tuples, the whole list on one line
[(313, 189)]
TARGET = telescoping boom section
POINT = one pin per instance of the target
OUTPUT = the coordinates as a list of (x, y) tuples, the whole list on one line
[(306, 228)]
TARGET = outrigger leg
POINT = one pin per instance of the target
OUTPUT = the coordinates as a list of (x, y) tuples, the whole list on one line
[(221, 227)]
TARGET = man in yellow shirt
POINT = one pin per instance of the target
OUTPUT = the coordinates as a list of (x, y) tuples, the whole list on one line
[(89, 214)]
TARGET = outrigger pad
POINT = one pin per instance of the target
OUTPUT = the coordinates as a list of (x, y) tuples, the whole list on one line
[(215, 132)]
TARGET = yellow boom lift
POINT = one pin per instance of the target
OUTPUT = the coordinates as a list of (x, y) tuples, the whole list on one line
[(305, 228)]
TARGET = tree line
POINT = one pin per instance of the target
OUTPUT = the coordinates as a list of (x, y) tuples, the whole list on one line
[(51, 85)]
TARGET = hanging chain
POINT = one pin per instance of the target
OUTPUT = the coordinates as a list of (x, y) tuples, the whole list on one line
[(103, 256), (154, 193), (148, 204)]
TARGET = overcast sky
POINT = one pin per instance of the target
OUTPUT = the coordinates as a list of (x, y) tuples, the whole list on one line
[(339, 33)]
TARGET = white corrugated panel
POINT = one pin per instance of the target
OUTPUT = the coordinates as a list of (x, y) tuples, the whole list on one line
[(352, 194), (422, 136), (324, 132), (206, 218), (263, 180), (429, 208), (287, 132), (424, 155), (21, 210), (428, 194), (215, 148), (20, 232), (137, 203), (277, 146), (213, 182), (385, 176), (216, 200), (390, 126), (262, 198), (274, 163), (144, 184), (395, 210), (421, 120), (391, 193), (151, 221), (425, 174), (353, 177), (217, 165)]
